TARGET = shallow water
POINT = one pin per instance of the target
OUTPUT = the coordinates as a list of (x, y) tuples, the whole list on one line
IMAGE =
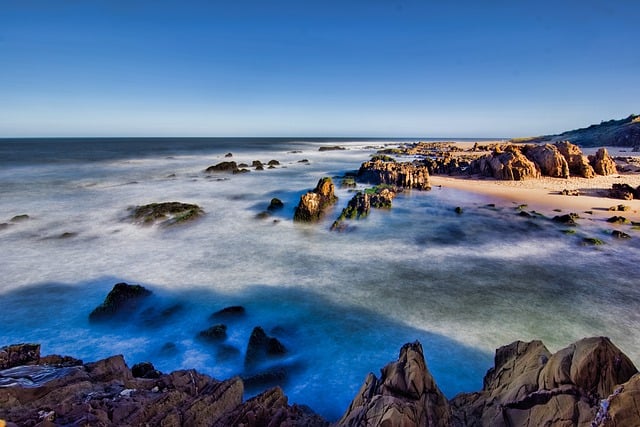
[(342, 303)]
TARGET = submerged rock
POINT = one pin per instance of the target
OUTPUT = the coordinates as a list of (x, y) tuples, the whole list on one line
[(122, 298), (231, 312), (261, 346), (214, 333), (567, 219), (166, 213), (313, 204), (19, 218)]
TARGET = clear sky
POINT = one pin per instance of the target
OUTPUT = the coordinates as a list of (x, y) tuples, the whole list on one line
[(315, 68)]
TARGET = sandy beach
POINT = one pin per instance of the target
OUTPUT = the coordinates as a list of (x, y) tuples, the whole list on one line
[(544, 194)]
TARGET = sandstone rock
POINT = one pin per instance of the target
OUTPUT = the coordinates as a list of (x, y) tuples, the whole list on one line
[(578, 163), (624, 192), (166, 213), (549, 159), (122, 298), (405, 395), (18, 355), (402, 175), (621, 407), (509, 165), (313, 203), (603, 163)]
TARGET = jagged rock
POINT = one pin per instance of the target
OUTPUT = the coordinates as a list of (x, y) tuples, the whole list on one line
[(145, 370), (270, 408), (509, 165), (18, 355), (313, 203), (549, 159), (578, 163), (620, 235), (261, 346), (166, 213), (603, 163), (382, 197), (621, 407), (405, 395), (223, 167), (358, 207), (402, 175), (530, 387), (122, 298)]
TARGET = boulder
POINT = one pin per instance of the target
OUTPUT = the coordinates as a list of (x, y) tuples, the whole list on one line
[(567, 219), (508, 165), (18, 355), (313, 203), (166, 213), (603, 163), (578, 163), (122, 298), (331, 148), (624, 192), (404, 395), (262, 346), (621, 407), (231, 167), (401, 175), (549, 160), (275, 204)]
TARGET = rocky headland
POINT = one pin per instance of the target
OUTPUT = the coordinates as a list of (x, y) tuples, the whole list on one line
[(590, 383)]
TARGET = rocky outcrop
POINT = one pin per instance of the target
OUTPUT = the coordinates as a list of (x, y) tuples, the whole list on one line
[(166, 213), (262, 346), (529, 386), (404, 395), (603, 163), (578, 163), (401, 175), (621, 407), (360, 204), (122, 298), (313, 203), (509, 165), (18, 355), (229, 167), (549, 160)]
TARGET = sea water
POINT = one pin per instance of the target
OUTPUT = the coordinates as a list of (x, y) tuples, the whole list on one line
[(341, 303)]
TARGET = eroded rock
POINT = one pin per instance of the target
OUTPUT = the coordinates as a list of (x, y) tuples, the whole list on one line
[(313, 203)]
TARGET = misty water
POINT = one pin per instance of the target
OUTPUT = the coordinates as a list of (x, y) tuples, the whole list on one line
[(341, 303)]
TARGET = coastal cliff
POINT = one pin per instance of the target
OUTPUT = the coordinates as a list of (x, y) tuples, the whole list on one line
[(589, 383)]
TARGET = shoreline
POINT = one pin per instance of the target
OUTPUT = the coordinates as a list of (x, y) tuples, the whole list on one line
[(544, 194)]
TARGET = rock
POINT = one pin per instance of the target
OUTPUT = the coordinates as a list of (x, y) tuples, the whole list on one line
[(275, 204), (509, 165), (331, 148), (592, 241), (273, 163), (567, 219), (122, 298), (623, 192), (257, 163), (620, 235), (270, 408), (229, 155), (566, 192), (578, 163), (618, 220), (145, 370), (620, 208), (261, 346), (303, 161), (529, 386), (223, 167), (603, 163), (458, 210), (621, 407), (60, 361), (214, 333), (18, 355), (549, 159), (19, 218), (348, 182), (313, 203), (405, 395), (166, 213), (402, 175), (231, 312), (358, 207)]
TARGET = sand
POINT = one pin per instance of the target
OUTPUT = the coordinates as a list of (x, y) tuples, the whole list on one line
[(544, 194)]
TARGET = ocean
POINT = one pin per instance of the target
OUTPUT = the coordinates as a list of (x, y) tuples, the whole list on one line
[(341, 303)]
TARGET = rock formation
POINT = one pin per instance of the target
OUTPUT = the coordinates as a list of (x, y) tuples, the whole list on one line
[(510, 165), (166, 213), (360, 204), (229, 167), (624, 192), (402, 175), (603, 163), (123, 297), (313, 203), (578, 163), (549, 159)]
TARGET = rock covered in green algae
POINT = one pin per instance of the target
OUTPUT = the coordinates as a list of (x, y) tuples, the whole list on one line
[(166, 213)]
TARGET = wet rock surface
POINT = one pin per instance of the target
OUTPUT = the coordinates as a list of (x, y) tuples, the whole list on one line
[(122, 298), (166, 213), (313, 203)]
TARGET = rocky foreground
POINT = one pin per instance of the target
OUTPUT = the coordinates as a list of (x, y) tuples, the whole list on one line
[(589, 383)]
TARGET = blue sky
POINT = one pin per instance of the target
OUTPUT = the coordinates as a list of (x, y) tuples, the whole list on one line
[(315, 68)]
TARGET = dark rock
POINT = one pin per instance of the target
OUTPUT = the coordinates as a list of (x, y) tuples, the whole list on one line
[(313, 204), (623, 192), (567, 192), (567, 219), (214, 333), (405, 395), (382, 158), (273, 163), (620, 235), (269, 378), (275, 204), (331, 148), (578, 163), (19, 218), (166, 213), (458, 210), (223, 167), (240, 171), (122, 298), (524, 214), (261, 346), (257, 163), (60, 361), (618, 220), (18, 355), (603, 163), (402, 175), (231, 312), (549, 159), (620, 208), (67, 235), (169, 348), (229, 155), (145, 370), (348, 182), (243, 165), (303, 161), (592, 241), (358, 207)]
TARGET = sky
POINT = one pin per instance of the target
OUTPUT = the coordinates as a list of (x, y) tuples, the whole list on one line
[(315, 68)]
